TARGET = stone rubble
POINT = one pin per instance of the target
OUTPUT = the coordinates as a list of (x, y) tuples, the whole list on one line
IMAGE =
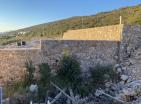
[(124, 77), (130, 63), (128, 89)]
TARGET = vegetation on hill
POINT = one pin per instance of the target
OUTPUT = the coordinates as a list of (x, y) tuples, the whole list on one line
[(130, 15)]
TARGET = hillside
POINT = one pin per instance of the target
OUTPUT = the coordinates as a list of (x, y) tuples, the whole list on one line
[(130, 15)]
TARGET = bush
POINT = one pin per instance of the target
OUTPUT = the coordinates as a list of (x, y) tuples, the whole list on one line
[(44, 82), (69, 72), (84, 90), (29, 76), (100, 74), (45, 74)]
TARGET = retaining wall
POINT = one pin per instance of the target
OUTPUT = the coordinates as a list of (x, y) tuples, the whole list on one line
[(12, 63), (89, 53)]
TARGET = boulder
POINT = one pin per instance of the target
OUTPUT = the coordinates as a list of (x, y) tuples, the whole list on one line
[(118, 68), (33, 88), (108, 84), (117, 65), (124, 77)]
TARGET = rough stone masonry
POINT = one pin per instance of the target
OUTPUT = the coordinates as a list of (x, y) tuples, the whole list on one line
[(89, 53)]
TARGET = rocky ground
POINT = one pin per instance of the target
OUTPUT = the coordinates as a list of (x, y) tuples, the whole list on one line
[(126, 91)]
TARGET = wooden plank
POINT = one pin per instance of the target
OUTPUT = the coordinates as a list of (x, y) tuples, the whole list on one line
[(63, 92)]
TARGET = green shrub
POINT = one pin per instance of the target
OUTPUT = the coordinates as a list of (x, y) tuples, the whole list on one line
[(69, 72), (84, 90), (101, 74), (45, 74), (30, 70), (44, 82)]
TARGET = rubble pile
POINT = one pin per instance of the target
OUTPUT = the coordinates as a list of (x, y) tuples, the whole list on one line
[(126, 91)]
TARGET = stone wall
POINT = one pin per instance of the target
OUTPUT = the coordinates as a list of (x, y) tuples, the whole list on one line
[(12, 63), (108, 33), (89, 53)]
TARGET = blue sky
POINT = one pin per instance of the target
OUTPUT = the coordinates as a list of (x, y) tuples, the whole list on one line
[(15, 14)]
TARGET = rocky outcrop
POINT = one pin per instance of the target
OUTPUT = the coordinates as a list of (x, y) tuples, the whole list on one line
[(131, 51)]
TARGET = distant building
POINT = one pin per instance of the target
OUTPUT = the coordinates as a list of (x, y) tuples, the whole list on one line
[(22, 32), (21, 43)]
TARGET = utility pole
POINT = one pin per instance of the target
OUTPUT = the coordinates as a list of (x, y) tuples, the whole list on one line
[(119, 42), (120, 20), (120, 24), (82, 22), (44, 30)]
